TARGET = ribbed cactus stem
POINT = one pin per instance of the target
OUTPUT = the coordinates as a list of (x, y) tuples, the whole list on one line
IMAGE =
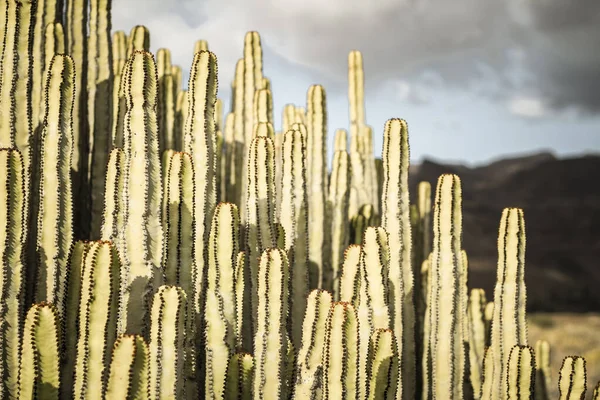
[(396, 221), (521, 373), (15, 95), (239, 149), (340, 140), (220, 309), (55, 208), (340, 354), (99, 104), (270, 340), (141, 244), (240, 375), (200, 45), (310, 356), (114, 201), (476, 335), (39, 375), (294, 220), (356, 88), (374, 266), (382, 365), (119, 52), (596, 395), (573, 379), (98, 312), (129, 369), (182, 107), (317, 182), (542, 370), (339, 194), (263, 106), (166, 101), (167, 344), (446, 302), (243, 327), (260, 221), (138, 40), (13, 232), (54, 43), (252, 79), (509, 327), (350, 276)]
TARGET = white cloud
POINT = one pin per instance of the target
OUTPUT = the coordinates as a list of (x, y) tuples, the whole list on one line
[(527, 107)]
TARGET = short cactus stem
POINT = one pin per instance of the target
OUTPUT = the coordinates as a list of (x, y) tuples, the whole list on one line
[(521, 373), (129, 369), (138, 40), (382, 365), (240, 374), (350, 276), (476, 336), (542, 370), (573, 379)]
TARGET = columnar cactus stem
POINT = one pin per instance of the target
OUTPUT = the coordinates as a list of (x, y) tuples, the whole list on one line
[(200, 45), (129, 370), (317, 182), (220, 309), (138, 40), (260, 223), (596, 395), (15, 96), (243, 327), (509, 327), (360, 222), (396, 221), (476, 326), (141, 245), (310, 356), (114, 201), (573, 379), (340, 355), (294, 220), (542, 370), (240, 375), (239, 149), (446, 299), (167, 344), (54, 43), (182, 108), (98, 312), (339, 193), (13, 233), (340, 140), (39, 376), (99, 103), (487, 390), (166, 101), (55, 208), (383, 365), (520, 373), (263, 106), (270, 340), (119, 52), (350, 277)]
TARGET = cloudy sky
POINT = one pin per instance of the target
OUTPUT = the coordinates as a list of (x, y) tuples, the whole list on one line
[(475, 79)]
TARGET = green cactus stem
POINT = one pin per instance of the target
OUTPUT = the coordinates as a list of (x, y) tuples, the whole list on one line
[(240, 375), (129, 369)]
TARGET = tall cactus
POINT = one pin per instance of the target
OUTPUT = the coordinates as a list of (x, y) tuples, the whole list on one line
[(138, 40), (294, 219), (573, 379), (509, 327), (55, 208), (383, 365), (128, 377), (167, 344), (542, 369), (520, 373), (396, 221), (476, 336), (13, 232), (220, 309), (271, 341), (39, 376), (98, 313)]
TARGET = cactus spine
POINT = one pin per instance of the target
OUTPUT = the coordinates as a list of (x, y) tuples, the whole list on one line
[(509, 327), (220, 309), (573, 379), (396, 221), (98, 314), (12, 236), (520, 373), (167, 344), (128, 378), (55, 207), (270, 340), (39, 376)]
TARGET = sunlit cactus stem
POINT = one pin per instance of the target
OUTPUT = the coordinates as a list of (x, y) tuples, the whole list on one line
[(13, 232), (542, 370), (240, 374), (166, 101), (138, 40), (129, 369), (521, 373), (573, 379), (54, 212), (39, 375), (383, 365), (339, 192), (476, 336)]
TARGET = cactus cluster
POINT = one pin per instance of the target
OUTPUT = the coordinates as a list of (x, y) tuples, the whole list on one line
[(153, 248)]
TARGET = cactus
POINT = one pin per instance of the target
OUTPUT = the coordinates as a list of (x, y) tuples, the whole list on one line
[(166, 101), (221, 303), (167, 344), (476, 335), (395, 220), (383, 365), (138, 40), (240, 374), (542, 369), (350, 277), (270, 339), (13, 231), (54, 227), (596, 395), (509, 327), (520, 373), (39, 376), (294, 220), (573, 379), (98, 313), (340, 355), (54, 43), (128, 377)]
